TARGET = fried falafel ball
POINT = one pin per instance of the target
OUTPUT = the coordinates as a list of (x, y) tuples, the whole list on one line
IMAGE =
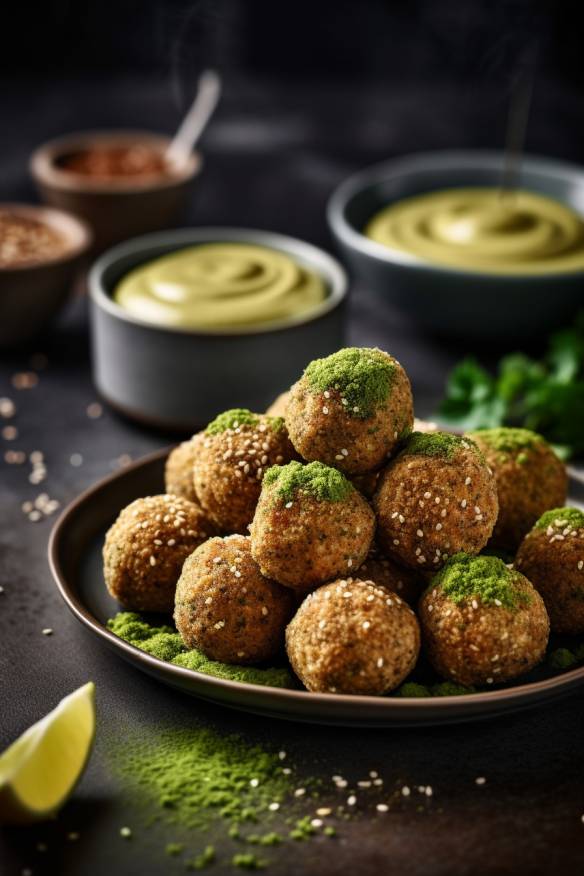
[(482, 623), (310, 525), (350, 410), (278, 406), (226, 608), (530, 480), (237, 449), (552, 557), (178, 471), (385, 572), (436, 498), (146, 547), (353, 637)]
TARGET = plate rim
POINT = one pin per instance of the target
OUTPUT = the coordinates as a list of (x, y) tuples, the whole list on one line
[(385, 706)]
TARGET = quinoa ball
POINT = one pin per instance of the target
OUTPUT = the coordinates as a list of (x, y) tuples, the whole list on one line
[(350, 410), (278, 406), (226, 608), (552, 557), (353, 637), (146, 547), (530, 480), (436, 498), (238, 447), (178, 472), (385, 572), (310, 525), (482, 623)]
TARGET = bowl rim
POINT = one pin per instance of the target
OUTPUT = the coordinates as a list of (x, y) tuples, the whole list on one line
[(55, 218), (318, 259), (440, 159), (45, 172)]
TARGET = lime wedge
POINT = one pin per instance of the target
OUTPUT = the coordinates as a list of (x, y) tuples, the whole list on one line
[(39, 771)]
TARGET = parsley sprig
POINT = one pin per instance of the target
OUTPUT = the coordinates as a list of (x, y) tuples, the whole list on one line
[(544, 395)]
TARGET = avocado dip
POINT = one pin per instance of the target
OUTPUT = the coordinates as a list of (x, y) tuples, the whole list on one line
[(220, 285), (484, 229)]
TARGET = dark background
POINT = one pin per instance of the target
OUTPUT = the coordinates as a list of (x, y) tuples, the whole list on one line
[(313, 91)]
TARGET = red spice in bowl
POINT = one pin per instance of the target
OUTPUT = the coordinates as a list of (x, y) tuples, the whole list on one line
[(107, 162)]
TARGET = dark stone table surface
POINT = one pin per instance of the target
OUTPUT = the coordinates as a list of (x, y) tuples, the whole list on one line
[(272, 157)]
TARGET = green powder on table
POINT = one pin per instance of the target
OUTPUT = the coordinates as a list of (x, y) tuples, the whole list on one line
[(166, 644), (193, 776)]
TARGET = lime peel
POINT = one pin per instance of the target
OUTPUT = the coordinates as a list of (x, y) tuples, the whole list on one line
[(39, 771)]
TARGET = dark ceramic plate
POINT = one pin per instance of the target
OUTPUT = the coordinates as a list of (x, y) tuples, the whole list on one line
[(75, 559)]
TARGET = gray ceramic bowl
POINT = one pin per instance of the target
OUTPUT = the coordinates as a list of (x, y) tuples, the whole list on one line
[(180, 378), (458, 303)]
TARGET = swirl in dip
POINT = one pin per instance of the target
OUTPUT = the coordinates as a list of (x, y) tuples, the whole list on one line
[(485, 230), (220, 285)]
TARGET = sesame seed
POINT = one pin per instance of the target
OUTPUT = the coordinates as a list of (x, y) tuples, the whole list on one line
[(325, 410), (326, 393), (282, 755), (366, 625), (152, 560), (427, 495), (467, 482), (351, 800), (273, 807), (125, 832), (475, 604), (47, 631), (300, 792), (405, 791), (438, 527), (94, 411), (580, 564), (379, 662), (324, 811), (382, 807), (429, 791), (419, 533), (480, 780), (349, 562), (254, 782)]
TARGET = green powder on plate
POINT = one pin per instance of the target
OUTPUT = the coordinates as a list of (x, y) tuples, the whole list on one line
[(315, 479), (166, 644)]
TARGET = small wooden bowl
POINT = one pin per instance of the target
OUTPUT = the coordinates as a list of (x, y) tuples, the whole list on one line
[(116, 208), (32, 293)]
